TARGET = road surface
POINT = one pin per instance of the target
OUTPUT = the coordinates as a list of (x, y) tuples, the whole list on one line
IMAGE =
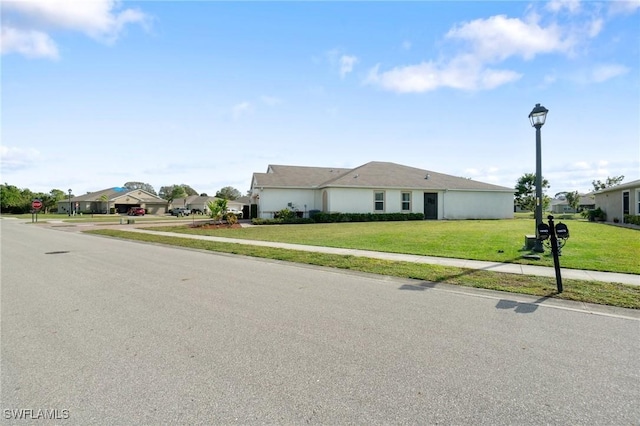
[(103, 331)]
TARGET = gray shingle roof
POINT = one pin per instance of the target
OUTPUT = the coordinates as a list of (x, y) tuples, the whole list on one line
[(296, 176), (375, 174), (116, 192)]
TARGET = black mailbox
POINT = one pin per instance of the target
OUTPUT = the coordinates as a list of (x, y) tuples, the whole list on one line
[(562, 231), (543, 231)]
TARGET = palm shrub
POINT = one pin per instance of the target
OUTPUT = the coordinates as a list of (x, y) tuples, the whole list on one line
[(217, 209)]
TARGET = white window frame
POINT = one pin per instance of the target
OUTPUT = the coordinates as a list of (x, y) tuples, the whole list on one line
[(403, 201), (376, 201)]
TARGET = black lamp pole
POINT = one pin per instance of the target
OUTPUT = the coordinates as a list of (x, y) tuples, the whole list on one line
[(537, 117), (69, 203)]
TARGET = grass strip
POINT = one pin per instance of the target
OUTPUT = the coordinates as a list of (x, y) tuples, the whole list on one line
[(611, 294)]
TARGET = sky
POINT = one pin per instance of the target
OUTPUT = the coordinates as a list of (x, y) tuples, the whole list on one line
[(98, 93)]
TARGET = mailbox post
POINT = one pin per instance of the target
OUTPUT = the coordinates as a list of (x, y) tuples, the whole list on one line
[(552, 232)]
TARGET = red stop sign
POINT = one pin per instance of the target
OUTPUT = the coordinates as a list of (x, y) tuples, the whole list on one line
[(36, 204)]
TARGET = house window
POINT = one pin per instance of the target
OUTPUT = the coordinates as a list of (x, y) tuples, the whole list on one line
[(625, 203), (406, 201), (378, 204)]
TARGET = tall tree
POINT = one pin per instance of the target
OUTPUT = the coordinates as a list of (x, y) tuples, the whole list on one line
[(228, 193), (140, 185), (573, 199), (10, 198), (598, 185), (526, 192), (166, 191)]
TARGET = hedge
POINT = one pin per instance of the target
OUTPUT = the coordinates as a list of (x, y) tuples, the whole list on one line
[(321, 217)]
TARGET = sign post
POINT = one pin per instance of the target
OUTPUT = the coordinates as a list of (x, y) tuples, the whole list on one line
[(36, 205)]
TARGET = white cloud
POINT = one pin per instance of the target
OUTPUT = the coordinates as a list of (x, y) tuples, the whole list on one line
[(346, 64), (606, 72), (479, 46), (573, 6), (12, 158), (343, 62), (241, 109), (99, 19), (30, 43), (463, 73), (622, 7), (499, 37)]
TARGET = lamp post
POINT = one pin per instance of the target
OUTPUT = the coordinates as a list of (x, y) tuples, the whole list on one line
[(537, 117), (69, 203)]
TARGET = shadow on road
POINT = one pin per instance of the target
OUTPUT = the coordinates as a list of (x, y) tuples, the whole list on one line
[(521, 307)]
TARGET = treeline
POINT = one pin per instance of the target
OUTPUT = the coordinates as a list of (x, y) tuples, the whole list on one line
[(17, 201)]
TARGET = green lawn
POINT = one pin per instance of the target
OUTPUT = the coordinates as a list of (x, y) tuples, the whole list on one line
[(612, 294), (593, 246), (99, 218)]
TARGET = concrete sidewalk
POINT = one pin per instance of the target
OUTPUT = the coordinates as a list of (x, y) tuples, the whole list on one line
[(509, 268)]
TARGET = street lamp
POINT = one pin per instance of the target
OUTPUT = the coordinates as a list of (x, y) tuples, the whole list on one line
[(69, 203), (537, 117)]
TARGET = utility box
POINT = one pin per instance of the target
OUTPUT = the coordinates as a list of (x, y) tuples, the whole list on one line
[(529, 242)]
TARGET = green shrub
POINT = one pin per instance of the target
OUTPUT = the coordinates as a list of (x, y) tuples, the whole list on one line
[(594, 214), (632, 219), (365, 217)]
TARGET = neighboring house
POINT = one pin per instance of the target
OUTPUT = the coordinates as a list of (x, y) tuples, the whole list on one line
[(201, 202), (378, 187), (113, 200), (560, 205), (619, 200)]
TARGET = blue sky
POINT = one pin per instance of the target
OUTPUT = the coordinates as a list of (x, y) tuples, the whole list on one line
[(95, 94)]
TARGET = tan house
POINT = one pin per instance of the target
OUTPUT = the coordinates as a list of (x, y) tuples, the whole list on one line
[(561, 205), (116, 200), (199, 203), (619, 200), (377, 187)]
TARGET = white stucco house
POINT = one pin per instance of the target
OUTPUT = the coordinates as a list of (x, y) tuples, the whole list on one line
[(378, 187)]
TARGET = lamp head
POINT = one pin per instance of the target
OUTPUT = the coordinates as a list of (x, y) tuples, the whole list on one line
[(538, 115)]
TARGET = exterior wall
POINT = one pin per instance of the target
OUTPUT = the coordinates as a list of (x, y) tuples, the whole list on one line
[(272, 200), (611, 203), (361, 200), (451, 204), (155, 208), (475, 205)]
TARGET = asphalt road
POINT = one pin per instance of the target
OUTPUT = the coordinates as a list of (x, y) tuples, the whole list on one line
[(102, 331)]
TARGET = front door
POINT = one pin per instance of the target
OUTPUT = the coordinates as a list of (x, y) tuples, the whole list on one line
[(430, 205)]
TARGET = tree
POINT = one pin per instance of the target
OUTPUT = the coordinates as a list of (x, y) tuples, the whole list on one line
[(166, 191), (140, 185), (228, 193), (526, 192), (573, 199), (598, 185), (10, 198), (217, 209)]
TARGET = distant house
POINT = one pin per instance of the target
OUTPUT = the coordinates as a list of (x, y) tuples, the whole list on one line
[(619, 200), (560, 205), (377, 187), (200, 203), (113, 200)]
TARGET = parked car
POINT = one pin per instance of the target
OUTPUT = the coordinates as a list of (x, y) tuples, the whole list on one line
[(180, 211), (136, 211), (235, 212)]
